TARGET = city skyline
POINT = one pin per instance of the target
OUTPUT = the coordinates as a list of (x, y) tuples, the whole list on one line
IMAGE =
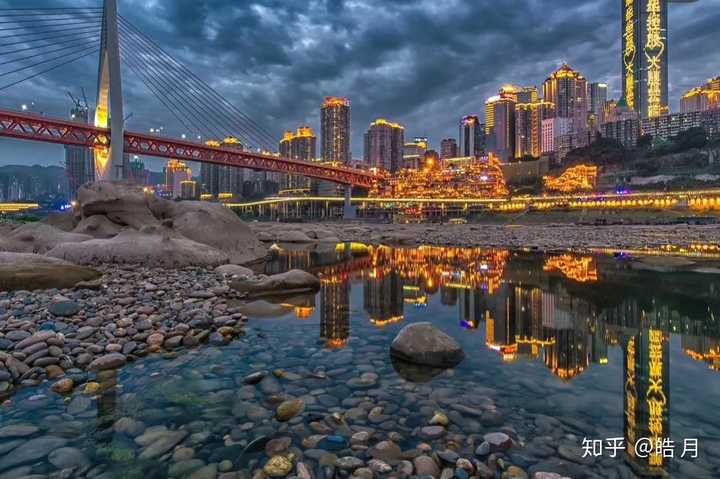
[(424, 95)]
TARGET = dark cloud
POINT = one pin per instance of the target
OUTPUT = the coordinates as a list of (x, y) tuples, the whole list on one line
[(422, 63)]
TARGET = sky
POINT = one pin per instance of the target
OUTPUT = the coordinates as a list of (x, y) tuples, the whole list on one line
[(423, 63)]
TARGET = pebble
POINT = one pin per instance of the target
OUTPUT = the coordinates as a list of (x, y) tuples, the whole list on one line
[(278, 466)]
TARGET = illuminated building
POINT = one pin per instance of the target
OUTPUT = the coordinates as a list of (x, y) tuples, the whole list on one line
[(175, 173), (528, 127), (598, 98), (138, 174), (335, 130), (578, 268), (574, 179), (217, 180), (647, 395), (702, 98), (335, 311), (448, 148), (667, 126), (383, 296), (297, 145), (472, 137), (702, 348), (79, 161), (471, 307), (414, 153), (503, 131), (557, 137), (625, 132), (384, 142), (567, 89), (645, 56), (471, 178), (188, 190)]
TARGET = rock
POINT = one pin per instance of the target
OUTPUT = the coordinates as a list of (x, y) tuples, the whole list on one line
[(63, 386), (97, 226), (68, 457), (153, 246), (349, 463), (278, 466), (483, 450), (432, 432), (38, 238), (426, 466), (109, 361), (379, 467), (277, 446), (498, 441), (85, 332), (234, 270), (293, 281), (64, 308), (289, 409), (129, 426), (32, 451), (423, 343), (439, 419), (162, 444), (31, 272), (514, 472), (386, 451), (17, 430), (205, 472), (254, 378), (548, 475)]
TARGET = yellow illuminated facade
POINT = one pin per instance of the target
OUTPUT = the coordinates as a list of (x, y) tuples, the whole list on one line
[(578, 268), (574, 179), (629, 53), (702, 98)]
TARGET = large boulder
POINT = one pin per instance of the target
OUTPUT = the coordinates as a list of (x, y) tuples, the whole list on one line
[(31, 271), (423, 343), (64, 221), (97, 226), (293, 281), (155, 247), (38, 238), (123, 203), (212, 224)]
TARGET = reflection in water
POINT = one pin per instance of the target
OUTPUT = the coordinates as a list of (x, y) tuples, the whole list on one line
[(564, 310)]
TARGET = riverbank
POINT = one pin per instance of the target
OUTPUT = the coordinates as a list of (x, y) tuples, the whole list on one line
[(546, 237)]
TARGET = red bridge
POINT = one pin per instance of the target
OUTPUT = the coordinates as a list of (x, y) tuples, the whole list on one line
[(40, 128)]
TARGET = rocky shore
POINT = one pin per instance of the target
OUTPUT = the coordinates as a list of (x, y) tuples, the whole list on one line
[(542, 237)]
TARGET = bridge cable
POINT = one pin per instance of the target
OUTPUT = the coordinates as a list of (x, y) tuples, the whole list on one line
[(263, 133), (170, 84), (87, 42), (70, 40), (76, 33), (168, 87), (195, 90), (96, 50), (49, 19), (62, 30), (52, 25), (57, 57)]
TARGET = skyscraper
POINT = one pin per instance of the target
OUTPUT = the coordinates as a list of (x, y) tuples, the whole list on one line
[(384, 143), (226, 181), (567, 89), (449, 148), (335, 130), (472, 137), (645, 56), (176, 172), (702, 98), (414, 152), (298, 145), (79, 161), (528, 127), (504, 129), (598, 98)]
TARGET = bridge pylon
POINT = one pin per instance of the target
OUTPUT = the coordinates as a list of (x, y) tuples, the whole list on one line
[(109, 162), (349, 211)]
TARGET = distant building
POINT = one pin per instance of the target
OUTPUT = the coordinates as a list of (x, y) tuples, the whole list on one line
[(702, 98), (598, 98), (644, 56), (137, 173), (79, 161), (383, 145), (335, 130), (567, 89), (449, 148), (176, 172), (298, 145), (557, 137), (472, 137), (503, 131), (227, 181), (622, 123), (414, 153), (667, 126), (189, 190), (528, 127)]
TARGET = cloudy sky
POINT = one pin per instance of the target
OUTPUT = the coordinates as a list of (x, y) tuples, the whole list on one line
[(422, 63)]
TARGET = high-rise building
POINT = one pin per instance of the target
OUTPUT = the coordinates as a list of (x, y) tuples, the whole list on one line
[(188, 190), (567, 89), (79, 161), (702, 98), (383, 297), (384, 143), (598, 97), (176, 172), (645, 56), (449, 148), (472, 137), (528, 127), (227, 181), (557, 136), (335, 130), (298, 145), (503, 132), (414, 153), (137, 173)]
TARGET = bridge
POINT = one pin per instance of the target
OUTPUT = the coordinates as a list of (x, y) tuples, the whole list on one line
[(60, 36)]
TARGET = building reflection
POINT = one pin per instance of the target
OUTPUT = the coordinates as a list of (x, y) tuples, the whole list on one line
[(335, 311), (383, 296)]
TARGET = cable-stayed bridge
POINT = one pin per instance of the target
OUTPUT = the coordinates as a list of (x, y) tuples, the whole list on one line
[(37, 41)]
